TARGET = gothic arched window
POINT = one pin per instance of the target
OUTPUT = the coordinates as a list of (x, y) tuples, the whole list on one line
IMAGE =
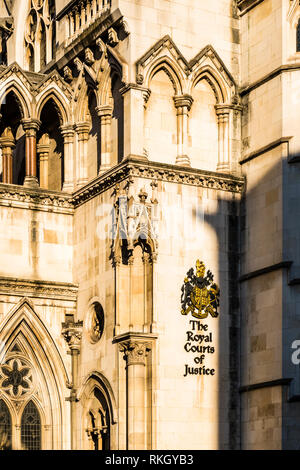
[(5, 427), (31, 427), (298, 37), (98, 429), (40, 34)]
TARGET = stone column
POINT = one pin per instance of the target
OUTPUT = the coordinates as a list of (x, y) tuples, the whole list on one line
[(43, 149), (183, 105), (68, 136), (223, 138), (76, 19), (82, 130), (72, 332), (7, 144), (135, 98), (135, 353), (82, 14), (31, 126), (88, 10), (94, 7), (69, 25), (105, 115)]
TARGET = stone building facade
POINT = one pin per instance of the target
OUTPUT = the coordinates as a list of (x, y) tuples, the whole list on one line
[(149, 255)]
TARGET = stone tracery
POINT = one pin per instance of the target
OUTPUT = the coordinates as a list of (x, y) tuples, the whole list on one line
[(39, 32)]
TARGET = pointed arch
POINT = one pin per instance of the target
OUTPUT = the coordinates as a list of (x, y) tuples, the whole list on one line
[(97, 380), (104, 94), (59, 98), (208, 64), (113, 66), (171, 68), (183, 74), (215, 80), (98, 412), (24, 314), (163, 53), (15, 85), (42, 44), (81, 113), (36, 347), (5, 425)]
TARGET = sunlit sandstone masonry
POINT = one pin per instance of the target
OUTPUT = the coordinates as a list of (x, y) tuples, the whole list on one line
[(147, 146)]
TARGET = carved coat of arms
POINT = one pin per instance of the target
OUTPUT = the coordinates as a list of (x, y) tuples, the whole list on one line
[(200, 295)]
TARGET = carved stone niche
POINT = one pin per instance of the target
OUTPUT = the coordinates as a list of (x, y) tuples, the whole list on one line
[(135, 220)]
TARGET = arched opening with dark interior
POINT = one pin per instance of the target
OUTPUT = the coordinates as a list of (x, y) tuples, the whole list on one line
[(298, 37), (50, 148), (98, 429), (117, 120), (52, 14), (5, 427), (94, 143), (43, 46), (30, 32), (10, 126)]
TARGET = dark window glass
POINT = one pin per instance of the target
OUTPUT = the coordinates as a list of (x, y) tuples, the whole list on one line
[(31, 428), (5, 427), (298, 37)]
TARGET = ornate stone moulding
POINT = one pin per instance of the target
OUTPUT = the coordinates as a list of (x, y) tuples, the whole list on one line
[(27, 198), (31, 80), (40, 289), (158, 171), (35, 82), (245, 5), (62, 203)]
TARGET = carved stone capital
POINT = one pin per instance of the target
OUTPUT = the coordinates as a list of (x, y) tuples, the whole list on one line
[(31, 126), (222, 112), (135, 352), (133, 86), (183, 101), (43, 149), (136, 86), (104, 110), (67, 131), (72, 332), (83, 129)]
